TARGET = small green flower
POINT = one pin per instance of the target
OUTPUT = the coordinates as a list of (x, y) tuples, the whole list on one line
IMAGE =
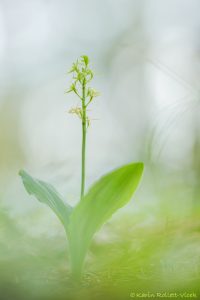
[(77, 111), (85, 59), (74, 68), (72, 88)]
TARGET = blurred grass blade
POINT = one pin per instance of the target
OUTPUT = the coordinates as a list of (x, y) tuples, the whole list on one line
[(47, 194), (105, 197)]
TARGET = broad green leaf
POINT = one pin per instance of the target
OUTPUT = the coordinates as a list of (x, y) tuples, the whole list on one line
[(104, 198), (47, 194)]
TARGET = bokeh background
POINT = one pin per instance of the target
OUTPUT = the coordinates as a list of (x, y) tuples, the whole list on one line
[(145, 55)]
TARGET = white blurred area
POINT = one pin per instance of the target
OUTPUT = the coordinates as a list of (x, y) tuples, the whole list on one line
[(146, 60)]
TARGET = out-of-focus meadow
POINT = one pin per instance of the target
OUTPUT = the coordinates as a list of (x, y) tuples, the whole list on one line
[(146, 60)]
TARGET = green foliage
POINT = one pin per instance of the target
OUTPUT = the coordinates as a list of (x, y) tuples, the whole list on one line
[(139, 256), (105, 197), (47, 194)]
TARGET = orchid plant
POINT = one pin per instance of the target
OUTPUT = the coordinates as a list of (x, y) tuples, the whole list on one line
[(103, 198)]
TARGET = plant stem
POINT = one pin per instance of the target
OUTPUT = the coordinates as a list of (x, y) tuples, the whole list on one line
[(83, 140)]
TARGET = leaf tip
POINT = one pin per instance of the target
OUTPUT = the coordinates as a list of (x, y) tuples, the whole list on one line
[(140, 165), (21, 172)]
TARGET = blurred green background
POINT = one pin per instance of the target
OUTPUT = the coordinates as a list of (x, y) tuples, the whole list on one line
[(146, 58)]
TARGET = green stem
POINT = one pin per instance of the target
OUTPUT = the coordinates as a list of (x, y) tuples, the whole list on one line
[(83, 140)]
